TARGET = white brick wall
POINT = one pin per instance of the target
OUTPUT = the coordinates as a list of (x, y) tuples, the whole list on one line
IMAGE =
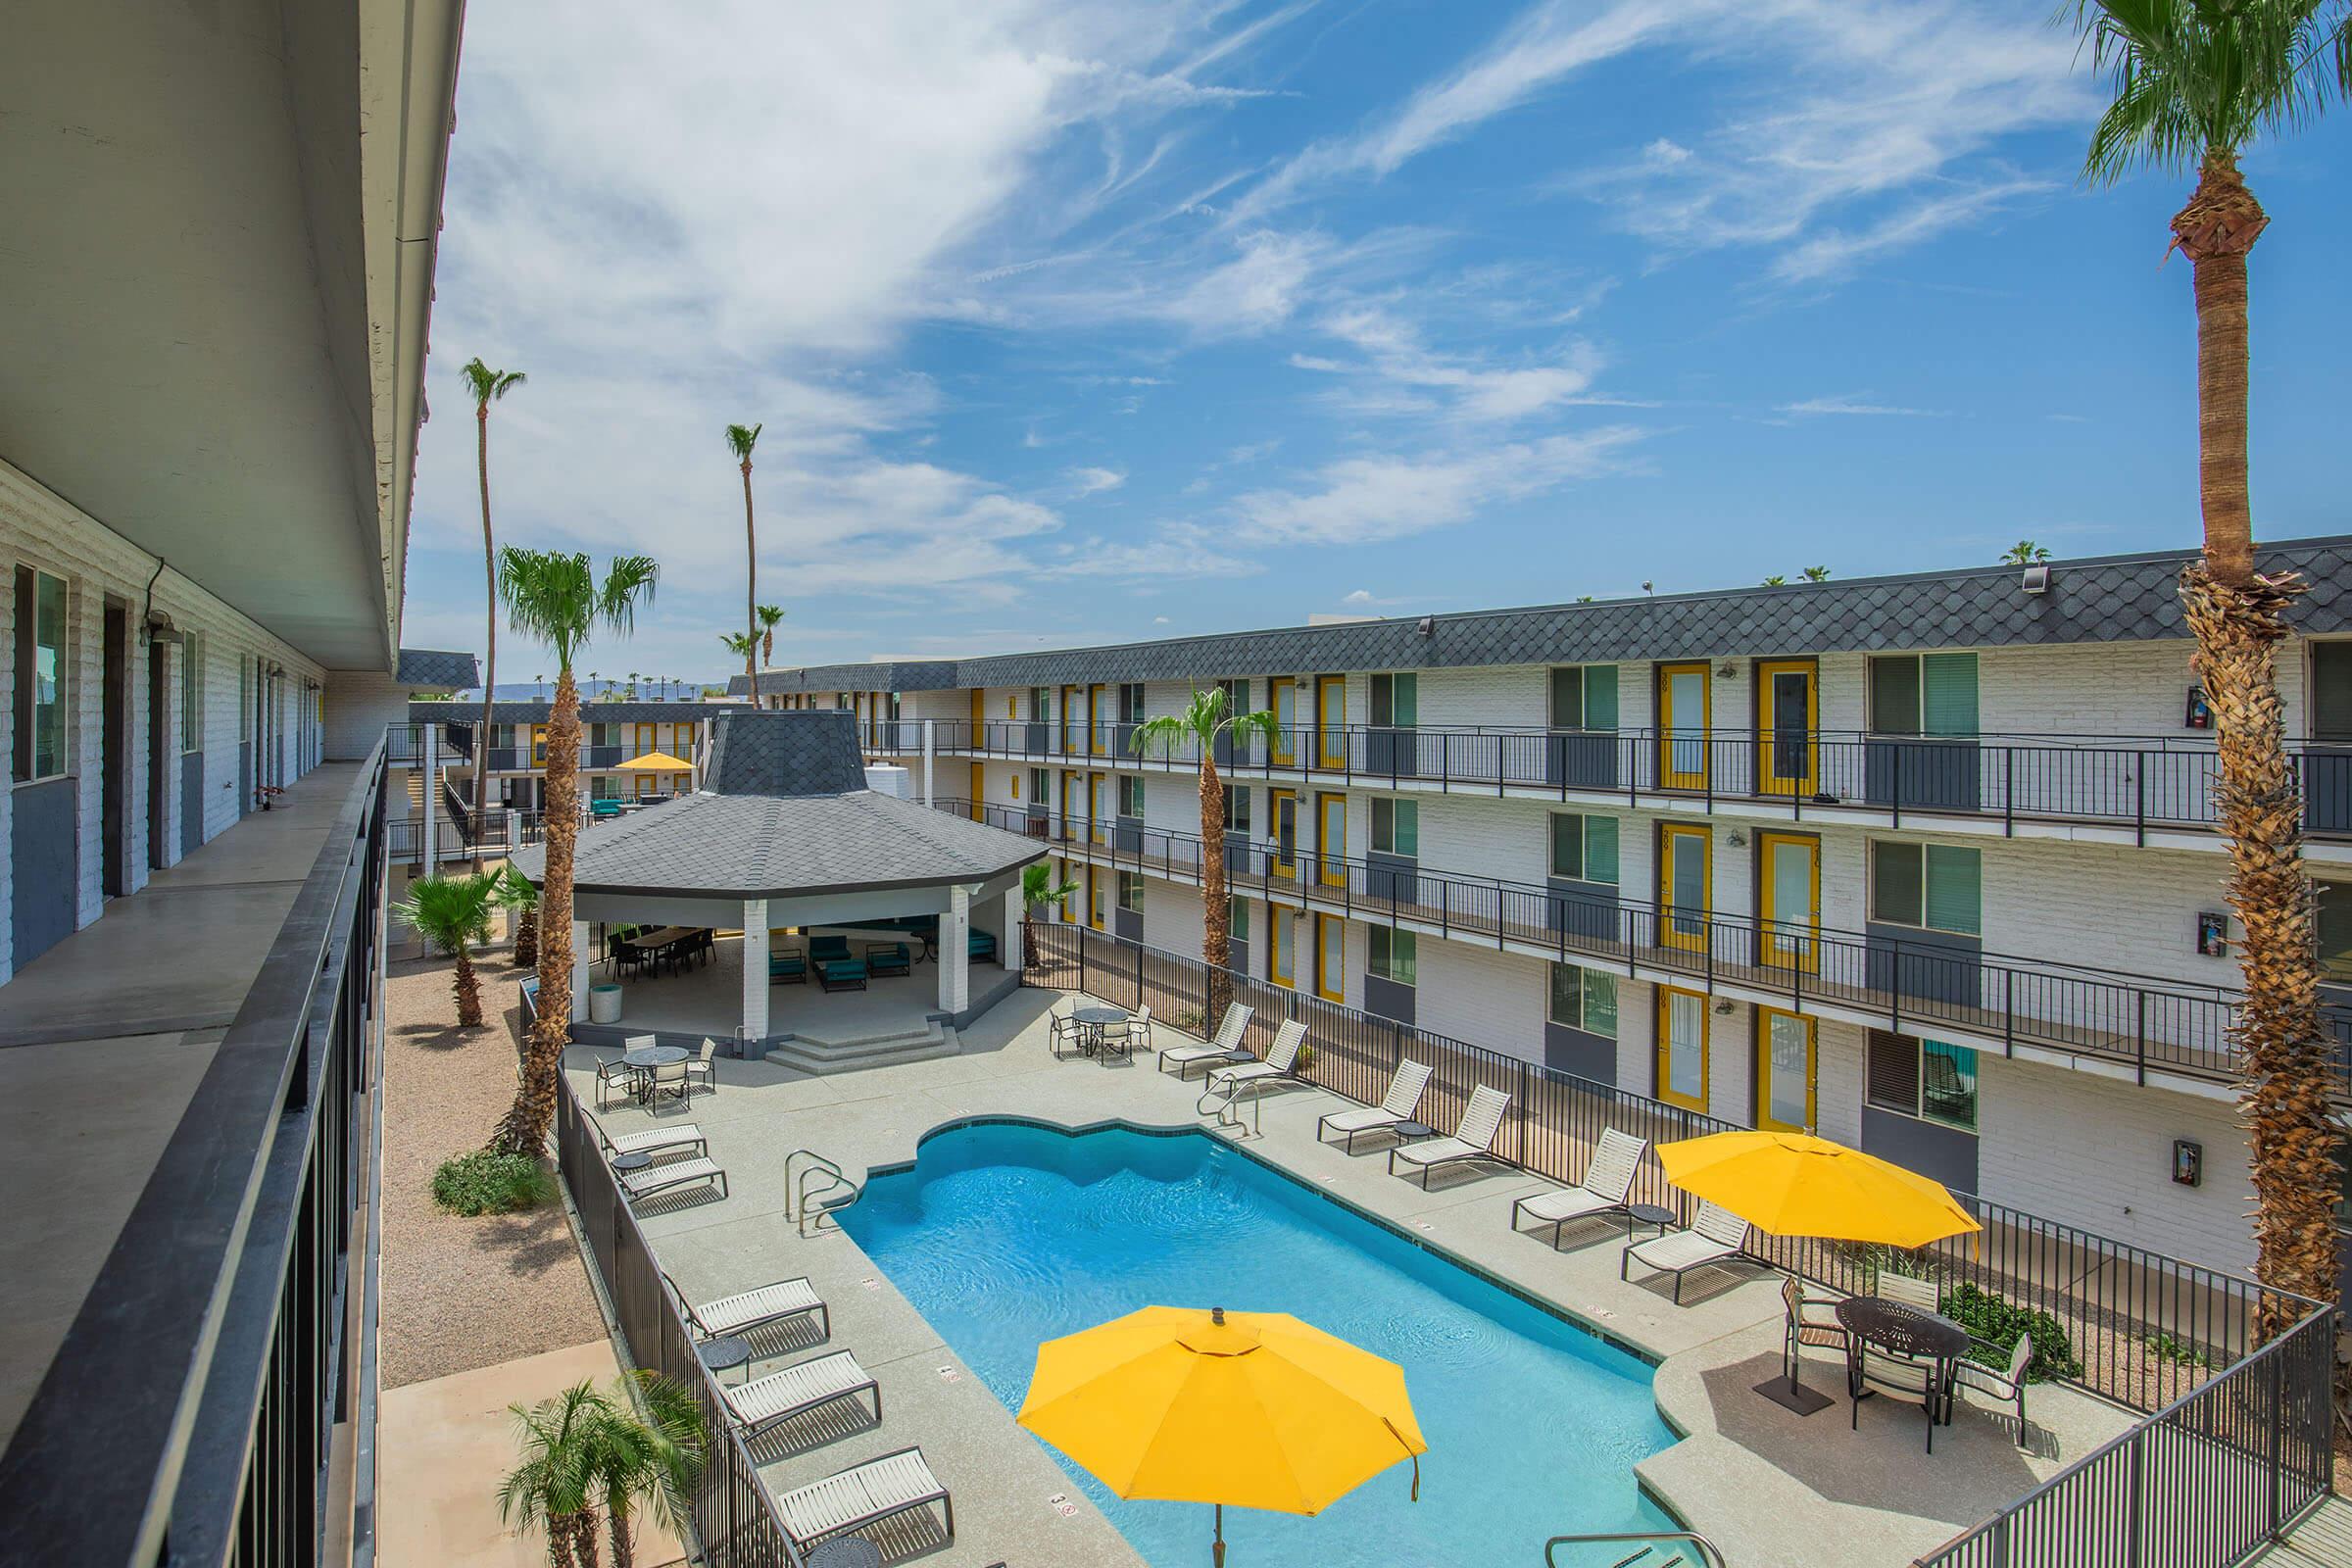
[(361, 705)]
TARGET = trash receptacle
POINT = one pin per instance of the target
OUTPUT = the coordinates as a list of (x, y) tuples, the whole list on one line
[(604, 1004)]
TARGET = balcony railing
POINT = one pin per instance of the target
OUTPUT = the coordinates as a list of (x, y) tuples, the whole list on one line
[(2129, 783), (1909, 984), (406, 745), (593, 759)]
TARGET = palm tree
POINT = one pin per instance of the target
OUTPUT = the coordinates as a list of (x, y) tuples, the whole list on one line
[(1776, 580), (486, 387), (632, 685), (555, 598), (1203, 720), (770, 615), (1817, 575), (2024, 553), (742, 644), (1038, 887), (741, 438), (515, 892), (652, 1460), (553, 1489), (452, 913), (2194, 80)]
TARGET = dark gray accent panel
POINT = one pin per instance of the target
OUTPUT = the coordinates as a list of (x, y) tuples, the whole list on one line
[(1579, 1052), (1934, 965), (436, 670), (1391, 878), (43, 855), (1237, 956), (1386, 999), (1128, 925), (1396, 752), (1945, 1153), (191, 802), (1945, 774), (1127, 835), (1586, 909), (784, 754), (1582, 761)]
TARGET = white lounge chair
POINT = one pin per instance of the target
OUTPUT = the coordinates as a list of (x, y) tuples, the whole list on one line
[(763, 1401), (1282, 1060), (1397, 1106), (1609, 1182), (685, 1138), (747, 1311), (1473, 1137), (1716, 1236), (857, 1497), (1225, 1046), (677, 1173)]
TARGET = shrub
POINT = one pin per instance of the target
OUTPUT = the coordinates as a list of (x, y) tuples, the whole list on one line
[(1995, 1322), (485, 1182), (1305, 1061)]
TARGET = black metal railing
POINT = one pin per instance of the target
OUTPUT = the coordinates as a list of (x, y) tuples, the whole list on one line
[(1906, 984), (193, 1401), (2127, 782), (2144, 1328)]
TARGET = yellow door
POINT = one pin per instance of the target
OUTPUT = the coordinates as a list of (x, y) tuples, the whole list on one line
[(1682, 1047), (1331, 956), (978, 739), (1098, 730), (1073, 720), (1097, 896), (644, 740), (1331, 840), (645, 785), (1068, 883), (1282, 965), (1073, 806), (1331, 721), (1789, 900), (538, 745), (1686, 886), (1685, 699), (1282, 698), (1285, 822), (1785, 1066), (979, 792), (1788, 714)]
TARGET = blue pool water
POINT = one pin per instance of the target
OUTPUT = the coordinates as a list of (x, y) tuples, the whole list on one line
[(1005, 1235)]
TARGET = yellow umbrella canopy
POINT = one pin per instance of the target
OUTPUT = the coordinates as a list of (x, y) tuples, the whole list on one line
[(1258, 1409), (1795, 1185), (656, 762)]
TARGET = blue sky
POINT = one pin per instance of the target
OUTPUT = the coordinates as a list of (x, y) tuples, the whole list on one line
[(1108, 320)]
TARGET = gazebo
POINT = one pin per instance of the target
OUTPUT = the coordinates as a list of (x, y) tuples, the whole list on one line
[(784, 832)]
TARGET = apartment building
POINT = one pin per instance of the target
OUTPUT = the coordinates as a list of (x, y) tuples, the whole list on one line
[(611, 733), (1924, 863), (217, 298)]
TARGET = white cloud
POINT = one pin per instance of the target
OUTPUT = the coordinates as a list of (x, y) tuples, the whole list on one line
[(1835, 253), (1364, 499), (1855, 404), (1094, 481), (1393, 355)]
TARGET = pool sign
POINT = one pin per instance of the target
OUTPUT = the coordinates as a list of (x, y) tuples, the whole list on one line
[(1062, 1505), (948, 1374)]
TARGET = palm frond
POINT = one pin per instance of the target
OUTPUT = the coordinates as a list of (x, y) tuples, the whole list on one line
[(2194, 78), (770, 614), (739, 643), (486, 385), (741, 438), (626, 577), (452, 912)]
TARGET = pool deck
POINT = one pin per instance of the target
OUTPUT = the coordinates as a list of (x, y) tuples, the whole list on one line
[(1769, 1487)]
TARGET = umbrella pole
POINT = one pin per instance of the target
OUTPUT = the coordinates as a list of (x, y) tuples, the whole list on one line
[(1789, 1390), (1218, 1550)]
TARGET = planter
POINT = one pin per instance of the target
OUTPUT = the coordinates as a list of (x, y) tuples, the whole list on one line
[(604, 1004)]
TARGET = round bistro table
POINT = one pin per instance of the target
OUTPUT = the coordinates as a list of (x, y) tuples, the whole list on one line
[(1904, 1330), (1094, 1019), (846, 1551)]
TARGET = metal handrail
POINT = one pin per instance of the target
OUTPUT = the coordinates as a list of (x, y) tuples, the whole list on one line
[(798, 1193), (1708, 1552)]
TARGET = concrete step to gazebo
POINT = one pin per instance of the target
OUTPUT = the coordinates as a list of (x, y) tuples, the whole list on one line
[(807, 1053)]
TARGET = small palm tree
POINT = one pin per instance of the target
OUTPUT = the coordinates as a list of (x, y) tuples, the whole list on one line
[(556, 598), (1038, 887), (741, 438), (1776, 580), (1817, 575), (742, 644), (516, 892), (554, 1488), (486, 387), (452, 913), (632, 685), (770, 616), (1203, 720), (652, 1459), (2024, 553)]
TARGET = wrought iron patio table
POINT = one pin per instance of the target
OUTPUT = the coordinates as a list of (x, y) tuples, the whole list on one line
[(1093, 1020), (1905, 1331)]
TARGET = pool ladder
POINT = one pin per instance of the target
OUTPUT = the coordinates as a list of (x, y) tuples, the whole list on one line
[(827, 1177), (1649, 1541)]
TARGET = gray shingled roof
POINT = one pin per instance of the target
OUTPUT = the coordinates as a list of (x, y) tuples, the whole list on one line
[(436, 668), (529, 713), (785, 753), (2103, 599)]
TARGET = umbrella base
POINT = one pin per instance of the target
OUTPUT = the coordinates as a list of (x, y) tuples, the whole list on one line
[(1794, 1396)]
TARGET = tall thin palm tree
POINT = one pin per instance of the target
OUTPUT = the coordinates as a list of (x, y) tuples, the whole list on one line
[(741, 438), (555, 599), (452, 913), (486, 387), (1204, 718), (770, 616), (2194, 81)]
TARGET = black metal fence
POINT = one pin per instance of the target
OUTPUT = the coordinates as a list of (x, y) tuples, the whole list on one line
[(191, 1406), (2143, 1329)]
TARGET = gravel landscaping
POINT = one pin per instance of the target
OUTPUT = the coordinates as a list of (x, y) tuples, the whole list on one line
[(461, 1293)]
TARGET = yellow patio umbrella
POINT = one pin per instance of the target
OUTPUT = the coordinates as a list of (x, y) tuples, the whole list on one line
[(1258, 1409), (656, 762)]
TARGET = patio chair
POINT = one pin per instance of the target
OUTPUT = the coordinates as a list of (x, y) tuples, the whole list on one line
[(616, 1071), (2006, 1384), (1910, 1290), (748, 1311), (1406, 1087), (888, 958), (1901, 1378), (1607, 1185), (671, 1080), (1063, 1028), (862, 1496), (1473, 1136), (1124, 1037), (654, 1179), (1716, 1236), (805, 1386), (1225, 1046), (1809, 1321), (700, 1068), (684, 1139), (1282, 1062), (828, 949), (787, 969), (841, 974)]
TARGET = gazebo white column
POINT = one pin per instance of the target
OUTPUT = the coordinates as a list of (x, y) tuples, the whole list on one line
[(1010, 951), (754, 969), (955, 952), (579, 972)]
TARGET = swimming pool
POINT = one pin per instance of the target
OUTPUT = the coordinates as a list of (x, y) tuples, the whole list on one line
[(1005, 1235)]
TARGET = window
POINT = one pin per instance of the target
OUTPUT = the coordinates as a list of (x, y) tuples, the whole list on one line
[(1936, 887), (1131, 796), (1131, 892), (604, 787), (1923, 1078), (1040, 789), (1396, 701), (1131, 703), (1396, 827), (2331, 691), (1237, 810), (1237, 696), (1585, 697), (1584, 847), (191, 693), (1395, 956), (1237, 917), (40, 685), (1923, 694), (1584, 998), (2336, 932)]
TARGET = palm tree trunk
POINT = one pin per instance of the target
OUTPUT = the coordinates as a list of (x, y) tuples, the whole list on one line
[(617, 1527), (2216, 231), (524, 1129), (750, 589), (481, 737), (583, 1537), (470, 992), (1216, 909), (526, 938)]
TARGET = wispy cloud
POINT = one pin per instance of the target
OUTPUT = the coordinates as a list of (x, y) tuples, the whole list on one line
[(1366, 500), (1857, 403), (1395, 358), (1094, 481)]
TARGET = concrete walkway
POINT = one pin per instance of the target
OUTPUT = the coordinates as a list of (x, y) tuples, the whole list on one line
[(1768, 1486)]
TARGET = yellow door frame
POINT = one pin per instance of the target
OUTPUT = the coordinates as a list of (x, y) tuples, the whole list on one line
[(1073, 801), (1072, 719), (1665, 1048), (1098, 821), (644, 740), (1765, 1119), (1095, 727), (980, 790), (1670, 834), (978, 740), (1095, 897), (1770, 780), (1284, 863), (1331, 977), (1330, 848), (1282, 694), (1281, 920), (1787, 942), (1331, 721), (1063, 880), (1671, 776)]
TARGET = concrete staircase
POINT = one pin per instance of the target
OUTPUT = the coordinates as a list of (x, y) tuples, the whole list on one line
[(854, 1052)]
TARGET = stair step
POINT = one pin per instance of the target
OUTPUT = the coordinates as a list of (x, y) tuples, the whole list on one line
[(806, 1055)]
